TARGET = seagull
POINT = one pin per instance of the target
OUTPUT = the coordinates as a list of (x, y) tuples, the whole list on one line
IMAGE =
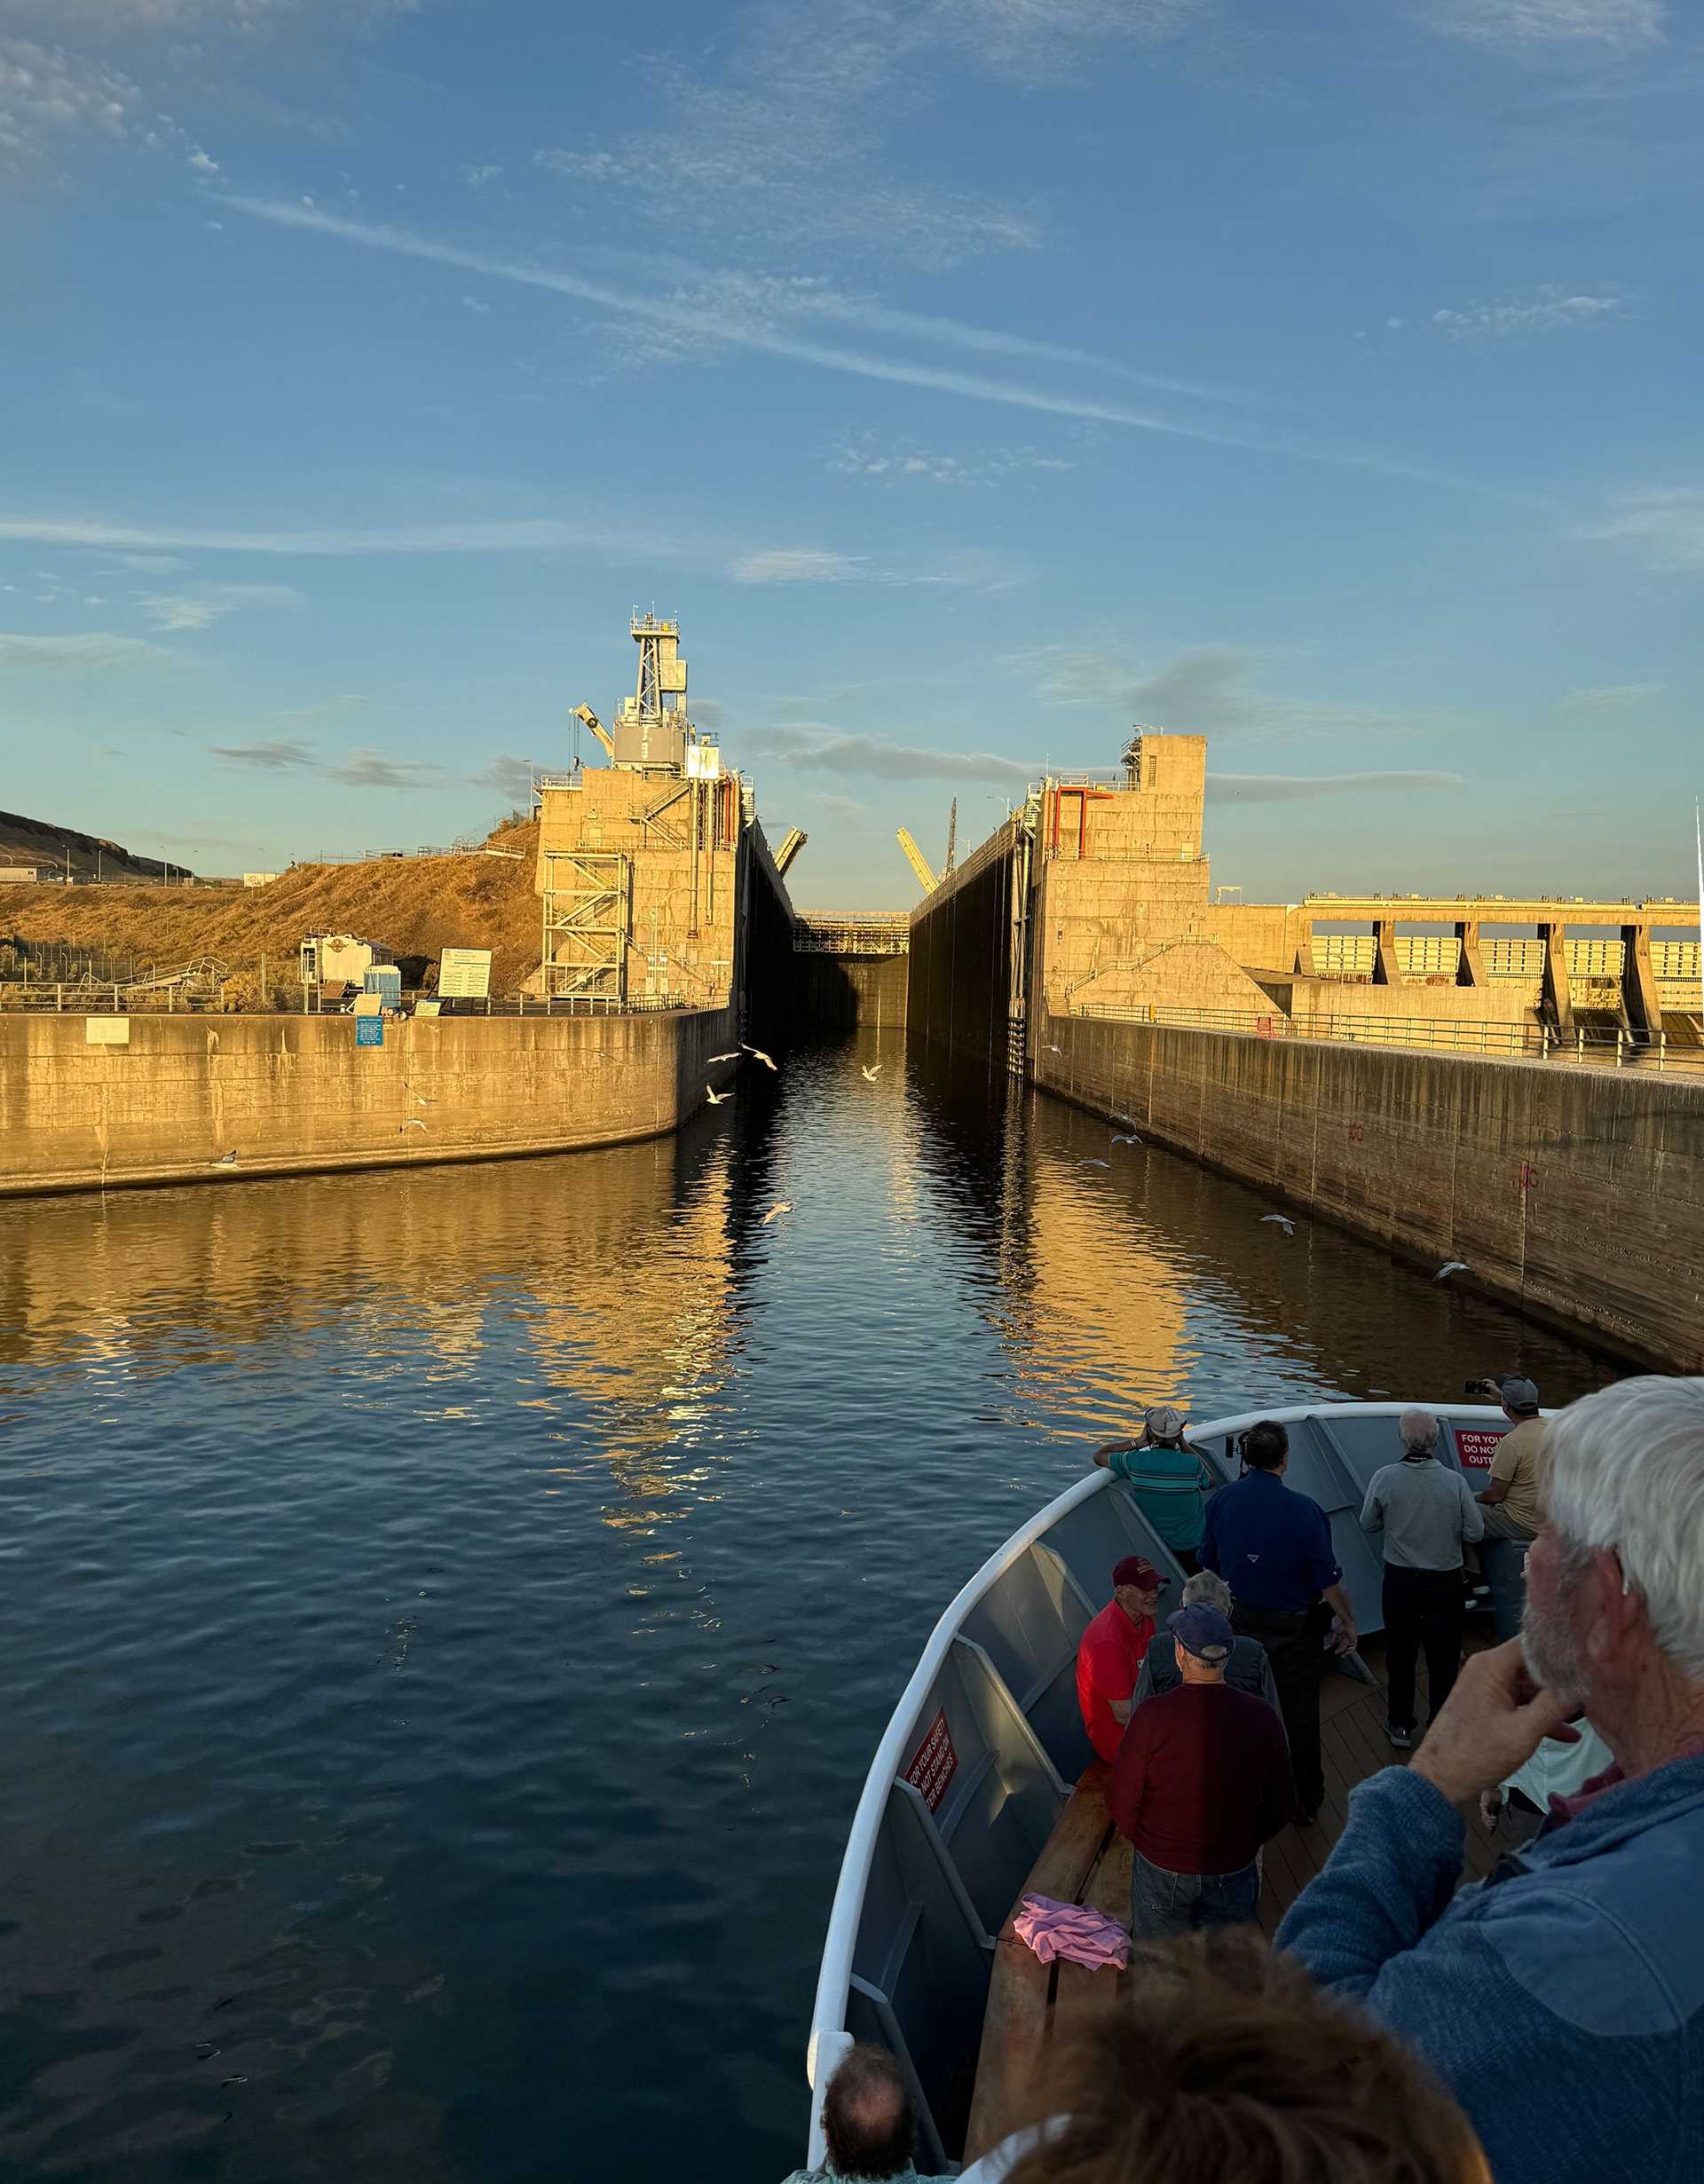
[(1451, 1266), (1094, 1163), (870, 1075), (781, 1205), (1283, 1221), (733, 1057), (716, 1098), (1132, 1140), (1055, 1050), (762, 1057), (414, 1123), (420, 1097), (225, 1160)]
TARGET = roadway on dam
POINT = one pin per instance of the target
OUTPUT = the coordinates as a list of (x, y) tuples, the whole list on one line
[(447, 1614)]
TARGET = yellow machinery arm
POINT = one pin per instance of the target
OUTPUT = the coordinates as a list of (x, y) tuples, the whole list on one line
[(914, 857), (585, 713), (792, 842)]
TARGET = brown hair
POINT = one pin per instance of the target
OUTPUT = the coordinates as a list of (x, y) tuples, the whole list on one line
[(1263, 1446), (1225, 2065), (868, 2121)]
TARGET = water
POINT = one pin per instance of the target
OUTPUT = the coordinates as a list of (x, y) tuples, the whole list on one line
[(446, 1616)]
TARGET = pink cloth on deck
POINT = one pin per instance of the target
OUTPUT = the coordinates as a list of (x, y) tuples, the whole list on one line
[(1072, 1931)]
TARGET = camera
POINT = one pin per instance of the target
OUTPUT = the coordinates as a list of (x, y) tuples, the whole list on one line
[(1492, 1388)]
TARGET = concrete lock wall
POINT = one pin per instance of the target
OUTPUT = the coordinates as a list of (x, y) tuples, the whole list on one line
[(837, 993), (1575, 1194), (288, 1094), (960, 983)]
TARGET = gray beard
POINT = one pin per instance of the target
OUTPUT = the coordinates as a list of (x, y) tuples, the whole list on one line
[(1553, 1657)]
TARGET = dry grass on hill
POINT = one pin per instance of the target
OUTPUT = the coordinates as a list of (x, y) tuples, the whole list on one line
[(416, 906)]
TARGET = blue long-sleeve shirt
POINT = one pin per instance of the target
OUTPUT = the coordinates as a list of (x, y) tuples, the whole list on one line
[(1562, 2000), (1270, 1544)]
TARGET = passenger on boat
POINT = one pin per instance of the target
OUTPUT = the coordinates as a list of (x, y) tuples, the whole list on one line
[(1247, 1670), (1226, 2064), (1201, 1780), (1561, 2001), (1427, 1514), (1110, 1657), (1513, 1497), (1169, 1480), (1273, 1546), (869, 2124)]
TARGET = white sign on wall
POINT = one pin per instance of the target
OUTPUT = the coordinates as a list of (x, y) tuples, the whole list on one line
[(464, 973), (106, 1030)]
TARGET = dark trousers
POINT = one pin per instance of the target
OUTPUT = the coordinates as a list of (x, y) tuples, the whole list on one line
[(1422, 1608), (1294, 1646)]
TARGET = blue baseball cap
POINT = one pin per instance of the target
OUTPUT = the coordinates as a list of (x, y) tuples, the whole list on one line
[(1204, 1632)]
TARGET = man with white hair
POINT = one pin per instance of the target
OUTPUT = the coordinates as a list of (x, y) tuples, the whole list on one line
[(1248, 1669), (1562, 2000), (1427, 1514)]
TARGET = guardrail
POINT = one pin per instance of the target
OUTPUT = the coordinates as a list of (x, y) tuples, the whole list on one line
[(1519, 1042), (825, 933), (38, 999)]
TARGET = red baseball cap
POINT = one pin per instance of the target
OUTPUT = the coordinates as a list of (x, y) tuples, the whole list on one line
[(1136, 1570)]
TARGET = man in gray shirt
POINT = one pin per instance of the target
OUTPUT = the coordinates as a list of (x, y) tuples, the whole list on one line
[(1426, 1512)]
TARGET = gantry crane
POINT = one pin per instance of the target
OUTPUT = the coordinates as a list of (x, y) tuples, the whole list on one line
[(952, 838), (585, 713)]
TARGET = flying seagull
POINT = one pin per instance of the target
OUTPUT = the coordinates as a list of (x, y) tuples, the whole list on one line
[(1132, 1140), (762, 1056), (225, 1160), (716, 1098), (1451, 1266), (1094, 1163), (414, 1123), (1283, 1221), (781, 1205), (421, 1097), (733, 1057), (870, 1075)]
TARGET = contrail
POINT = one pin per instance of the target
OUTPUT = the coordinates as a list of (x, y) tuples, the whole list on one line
[(718, 326)]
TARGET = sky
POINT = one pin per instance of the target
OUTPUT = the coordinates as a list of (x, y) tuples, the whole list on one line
[(973, 378)]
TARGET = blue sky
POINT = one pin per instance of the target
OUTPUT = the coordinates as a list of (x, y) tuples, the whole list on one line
[(973, 377)]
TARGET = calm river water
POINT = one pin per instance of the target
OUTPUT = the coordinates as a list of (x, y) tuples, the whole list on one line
[(446, 1616)]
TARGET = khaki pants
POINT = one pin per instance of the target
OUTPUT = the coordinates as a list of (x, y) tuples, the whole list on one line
[(1500, 1526)]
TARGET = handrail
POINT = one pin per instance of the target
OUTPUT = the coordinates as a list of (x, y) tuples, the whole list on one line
[(828, 2035)]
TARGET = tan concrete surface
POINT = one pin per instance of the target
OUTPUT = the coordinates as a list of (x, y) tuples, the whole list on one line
[(286, 1093), (1576, 1195)]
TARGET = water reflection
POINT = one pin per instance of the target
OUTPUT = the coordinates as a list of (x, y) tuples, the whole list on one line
[(448, 1613)]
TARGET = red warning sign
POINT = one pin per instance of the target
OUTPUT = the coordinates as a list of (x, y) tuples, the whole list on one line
[(1477, 1444), (936, 1763)]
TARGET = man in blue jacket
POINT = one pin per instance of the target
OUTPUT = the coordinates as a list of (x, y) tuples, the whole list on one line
[(1562, 2000)]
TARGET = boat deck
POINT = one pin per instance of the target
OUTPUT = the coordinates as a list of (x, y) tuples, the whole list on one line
[(1086, 1861)]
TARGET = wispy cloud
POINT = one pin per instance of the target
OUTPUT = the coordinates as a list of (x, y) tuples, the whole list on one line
[(324, 708), (271, 755), (903, 462), (1664, 523), (1541, 310), (372, 769), (971, 568), (46, 92), (520, 536), (797, 564), (1205, 690), (93, 652), (1610, 696), (1300, 788), (153, 565), (1555, 22), (665, 312), (512, 776), (198, 610), (814, 748)]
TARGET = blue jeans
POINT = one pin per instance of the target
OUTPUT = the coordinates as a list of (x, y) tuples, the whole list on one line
[(1163, 1902)]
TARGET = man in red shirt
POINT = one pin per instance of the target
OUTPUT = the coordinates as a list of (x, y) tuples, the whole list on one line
[(1201, 1779), (1109, 1660)]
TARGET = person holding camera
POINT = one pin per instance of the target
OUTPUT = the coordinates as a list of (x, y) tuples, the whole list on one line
[(1513, 1497)]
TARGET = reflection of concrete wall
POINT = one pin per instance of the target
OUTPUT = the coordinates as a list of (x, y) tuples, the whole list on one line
[(289, 1092), (836, 993), (1577, 1193)]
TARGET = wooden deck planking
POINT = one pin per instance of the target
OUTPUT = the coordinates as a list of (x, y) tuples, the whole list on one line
[(1086, 1861)]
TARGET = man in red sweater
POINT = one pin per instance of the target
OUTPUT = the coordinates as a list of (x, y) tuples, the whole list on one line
[(1201, 1779), (1109, 1660)]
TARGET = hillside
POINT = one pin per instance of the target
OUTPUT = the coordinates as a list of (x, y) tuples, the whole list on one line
[(416, 906), (35, 841)]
